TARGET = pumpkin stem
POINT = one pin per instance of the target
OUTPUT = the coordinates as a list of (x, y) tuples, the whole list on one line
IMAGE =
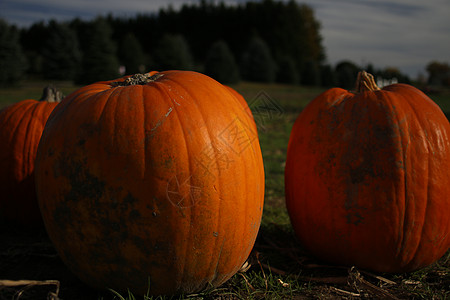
[(51, 94), (137, 79), (365, 82)]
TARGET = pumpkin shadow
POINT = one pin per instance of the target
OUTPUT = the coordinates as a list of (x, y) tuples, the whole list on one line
[(447, 115), (28, 254)]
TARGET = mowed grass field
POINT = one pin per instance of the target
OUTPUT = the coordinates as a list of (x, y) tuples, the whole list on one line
[(279, 267)]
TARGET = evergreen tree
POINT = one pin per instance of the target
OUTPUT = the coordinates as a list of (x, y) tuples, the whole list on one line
[(392, 72), (131, 54), (99, 59), (438, 73), (172, 53), (328, 76), (287, 72), (61, 54), (82, 30), (370, 69), (12, 60), (288, 28), (346, 73), (257, 62), (311, 73), (32, 40), (220, 63), (310, 45)]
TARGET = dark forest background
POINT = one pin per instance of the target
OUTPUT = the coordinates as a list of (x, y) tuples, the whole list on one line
[(268, 41)]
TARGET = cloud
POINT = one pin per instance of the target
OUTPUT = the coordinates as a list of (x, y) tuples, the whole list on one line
[(26, 12), (407, 33)]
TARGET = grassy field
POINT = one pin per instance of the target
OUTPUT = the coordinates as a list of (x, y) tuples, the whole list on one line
[(279, 268)]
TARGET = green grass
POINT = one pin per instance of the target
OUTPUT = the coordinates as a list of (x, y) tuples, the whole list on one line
[(281, 269), (31, 90), (275, 108), (442, 98)]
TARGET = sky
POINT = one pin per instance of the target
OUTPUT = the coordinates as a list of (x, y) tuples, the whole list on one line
[(406, 34)]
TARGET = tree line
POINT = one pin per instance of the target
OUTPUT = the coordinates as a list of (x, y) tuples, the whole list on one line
[(268, 41)]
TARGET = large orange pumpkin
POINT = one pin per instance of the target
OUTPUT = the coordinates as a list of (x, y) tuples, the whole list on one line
[(152, 181), (368, 177), (21, 126)]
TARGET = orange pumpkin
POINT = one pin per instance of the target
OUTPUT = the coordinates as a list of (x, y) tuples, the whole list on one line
[(21, 126), (152, 181), (367, 177)]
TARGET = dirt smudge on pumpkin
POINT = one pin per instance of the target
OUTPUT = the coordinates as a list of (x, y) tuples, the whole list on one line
[(359, 133), (81, 142), (62, 215), (134, 214), (83, 185), (110, 213), (51, 152), (128, 201)]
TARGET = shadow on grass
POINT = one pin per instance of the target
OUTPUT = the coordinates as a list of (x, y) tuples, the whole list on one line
[(27, 254), (278, 269)]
